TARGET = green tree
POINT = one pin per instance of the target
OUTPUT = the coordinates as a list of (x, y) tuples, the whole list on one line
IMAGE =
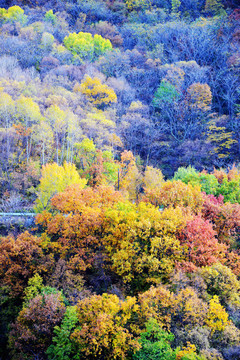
[(63, 347), (47, 41), (186, 175), (166, 94), (155, 343), (50, 17), (230, 189), (189, 175), (86, 47)]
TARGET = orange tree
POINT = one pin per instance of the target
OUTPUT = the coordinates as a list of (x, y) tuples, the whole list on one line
[(73, 230), (96, 227), (20, 258), (175, 193)]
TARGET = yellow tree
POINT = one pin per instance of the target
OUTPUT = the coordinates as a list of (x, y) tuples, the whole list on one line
[(223, 282), (14, 13), (175, 8), (190, 349), (137, 5), (153, 178), (97, 93), (55, 179), (106, 327), (189, 309), (218, 136), (175, 193), (86, 47), (200, 97), (217, 317), (141, 242), (129, 176), (76, 226), (175, 76), (86, 153), (157, 303)]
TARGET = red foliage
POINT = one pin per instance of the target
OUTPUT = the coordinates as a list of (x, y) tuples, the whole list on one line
[(201, 243), (211, 207), (224, 217)]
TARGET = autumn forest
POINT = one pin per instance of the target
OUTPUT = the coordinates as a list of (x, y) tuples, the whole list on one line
[(120, 147)]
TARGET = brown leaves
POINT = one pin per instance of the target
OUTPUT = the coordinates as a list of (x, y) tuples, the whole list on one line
[(20, 258), (33, 329)]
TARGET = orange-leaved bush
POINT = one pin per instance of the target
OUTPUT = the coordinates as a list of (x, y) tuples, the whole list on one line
[(175, 193), (76, 230), (20, 259)]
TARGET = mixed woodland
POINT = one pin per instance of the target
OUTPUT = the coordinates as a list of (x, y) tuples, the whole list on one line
[(120, 131)]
